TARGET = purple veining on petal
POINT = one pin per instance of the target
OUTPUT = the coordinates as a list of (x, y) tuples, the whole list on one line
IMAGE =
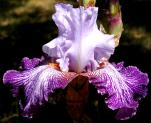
[(11, 78), (80, 44), (38, 83), (124, 87), (30, 63)]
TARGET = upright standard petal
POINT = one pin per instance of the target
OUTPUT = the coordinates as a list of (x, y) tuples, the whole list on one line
[(124, 87), (37, 83), (80, 45)]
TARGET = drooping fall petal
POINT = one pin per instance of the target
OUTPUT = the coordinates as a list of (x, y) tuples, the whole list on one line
[(37, 84), (80, 45), (124, 87)]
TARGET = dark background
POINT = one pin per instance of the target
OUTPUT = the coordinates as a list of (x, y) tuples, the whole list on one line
[(25, 26)]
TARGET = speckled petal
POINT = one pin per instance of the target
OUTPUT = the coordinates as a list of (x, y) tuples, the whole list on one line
[(124, 87), (30, 63), (37, 83)]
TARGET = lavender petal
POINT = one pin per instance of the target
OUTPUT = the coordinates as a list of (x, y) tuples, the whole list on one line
[(78, 37)]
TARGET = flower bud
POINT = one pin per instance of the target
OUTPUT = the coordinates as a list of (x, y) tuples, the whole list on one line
[(87, 3), (113, 19)]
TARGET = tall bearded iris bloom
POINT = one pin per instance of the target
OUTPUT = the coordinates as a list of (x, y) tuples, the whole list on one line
[(80, 49)]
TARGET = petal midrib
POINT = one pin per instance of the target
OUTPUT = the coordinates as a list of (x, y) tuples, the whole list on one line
[(80, 43)]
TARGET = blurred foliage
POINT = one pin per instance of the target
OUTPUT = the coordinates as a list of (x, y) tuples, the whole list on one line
[(137, 36), (16, 12), (25, 25)]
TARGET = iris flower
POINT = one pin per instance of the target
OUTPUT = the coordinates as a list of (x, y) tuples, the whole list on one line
[(80, 49)]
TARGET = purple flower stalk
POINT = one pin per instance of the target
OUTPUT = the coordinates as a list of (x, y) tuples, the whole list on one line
[(80, 49)]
